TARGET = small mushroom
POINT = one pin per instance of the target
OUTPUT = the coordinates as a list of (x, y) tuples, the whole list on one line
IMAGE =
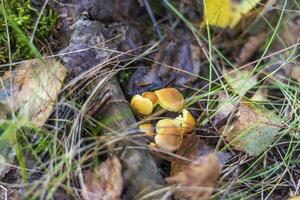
[(152, 96), (152, 145), (187, 121), (168, 135), (170, 99), (147, 128), (141, 105)]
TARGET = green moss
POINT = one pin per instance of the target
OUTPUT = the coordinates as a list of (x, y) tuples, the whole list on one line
[(124, 76), (24, 16)]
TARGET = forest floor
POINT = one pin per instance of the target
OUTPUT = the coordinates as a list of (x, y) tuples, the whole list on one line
[(141, 99)]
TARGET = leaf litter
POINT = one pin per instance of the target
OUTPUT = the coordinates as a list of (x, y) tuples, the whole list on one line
[(200, 178), (180, 61), (32, 89), (253, 128), (104, 182)]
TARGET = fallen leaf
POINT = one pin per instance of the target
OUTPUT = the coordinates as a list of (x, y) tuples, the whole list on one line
[(105, 182), (251, 46), (293, 71), (285, 65), (226, 13), (241, 8), (291, 32), (188, 149), (176, 64), (202, 174), (260, 95), (241, 81), (290, 36), (253, 129), (218, 12), (224, 108), (32, 89)]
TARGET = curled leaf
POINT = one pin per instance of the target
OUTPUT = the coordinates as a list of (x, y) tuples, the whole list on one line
[(190, 149), (201, 176), (105, 182)]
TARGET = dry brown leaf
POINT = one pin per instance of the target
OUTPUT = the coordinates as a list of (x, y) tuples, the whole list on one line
[(202, 174), (184, 57), (285, 65), (291, 33), (189, 149), (291, 36), (293, 70), (35, 87), (105, 182), (253, 44)]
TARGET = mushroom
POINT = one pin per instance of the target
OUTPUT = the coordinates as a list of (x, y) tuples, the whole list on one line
[(187, 121), (152, 96), (141, 105), (152, 145), (147, 128), (170, 99), (168, 135)]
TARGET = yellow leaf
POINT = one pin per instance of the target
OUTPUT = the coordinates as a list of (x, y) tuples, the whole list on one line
[(240, 9), (226, 13), (217, 12)]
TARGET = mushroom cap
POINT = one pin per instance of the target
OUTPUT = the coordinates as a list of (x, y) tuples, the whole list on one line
[(168, 135), (170, 99), (152, 145), (147, 128), (187, 121), (141, 105), (152, 96)]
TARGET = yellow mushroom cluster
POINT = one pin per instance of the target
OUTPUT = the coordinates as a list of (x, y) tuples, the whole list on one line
[(168, 133)]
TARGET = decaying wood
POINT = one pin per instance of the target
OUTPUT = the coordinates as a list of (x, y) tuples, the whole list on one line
[(140, 172)]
